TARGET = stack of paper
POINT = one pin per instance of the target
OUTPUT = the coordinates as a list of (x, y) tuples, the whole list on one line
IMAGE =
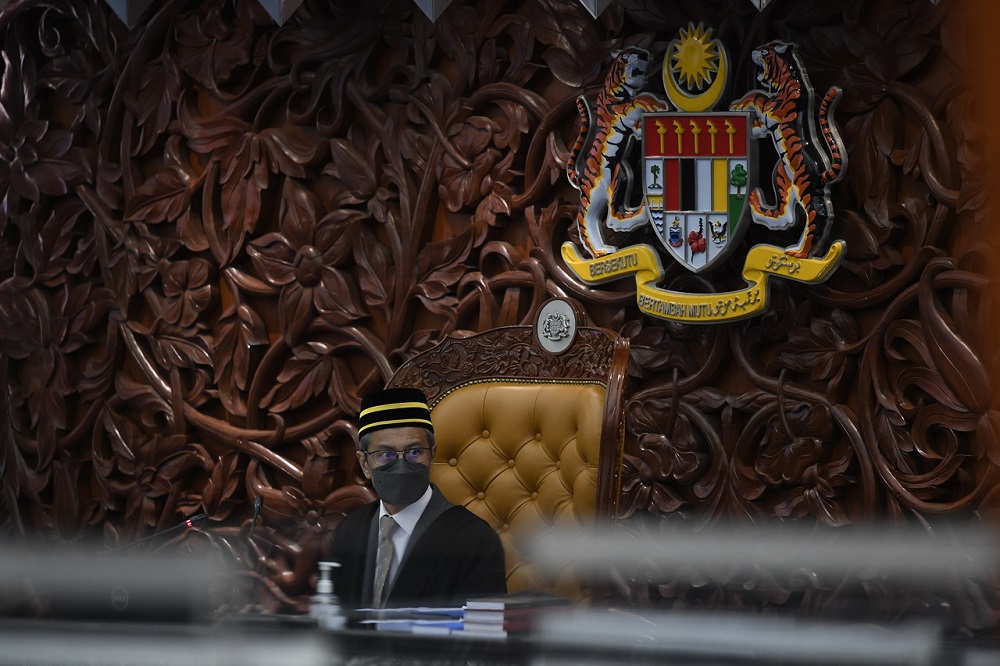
[(501, 615), (415, 620)]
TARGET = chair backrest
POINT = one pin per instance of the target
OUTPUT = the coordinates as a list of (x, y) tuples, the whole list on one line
[(529, 427)]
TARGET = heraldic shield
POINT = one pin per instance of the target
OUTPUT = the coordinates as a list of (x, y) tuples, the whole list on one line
[(698, 169)]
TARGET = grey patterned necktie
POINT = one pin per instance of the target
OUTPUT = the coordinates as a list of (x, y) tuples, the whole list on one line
[(386, 527)]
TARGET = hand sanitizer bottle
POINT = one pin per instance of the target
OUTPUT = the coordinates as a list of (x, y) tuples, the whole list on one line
[(325, 606)]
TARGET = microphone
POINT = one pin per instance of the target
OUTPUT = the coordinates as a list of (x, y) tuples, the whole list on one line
[(258, 504), (183, 525)]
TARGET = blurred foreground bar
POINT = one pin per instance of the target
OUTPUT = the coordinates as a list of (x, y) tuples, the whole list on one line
[(590, 637), (66, 643), (69, 605), (76, 583), (776, 594), (913, 556)]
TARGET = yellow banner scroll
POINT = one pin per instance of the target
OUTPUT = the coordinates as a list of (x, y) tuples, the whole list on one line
[(644, 262)]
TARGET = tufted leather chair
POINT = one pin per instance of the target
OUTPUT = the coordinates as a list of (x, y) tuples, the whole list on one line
[(529, 427)]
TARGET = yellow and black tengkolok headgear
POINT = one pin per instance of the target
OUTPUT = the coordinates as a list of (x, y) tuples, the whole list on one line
[(394, 408)]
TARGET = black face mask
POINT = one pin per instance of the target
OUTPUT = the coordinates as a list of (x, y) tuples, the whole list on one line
[(401, 482)]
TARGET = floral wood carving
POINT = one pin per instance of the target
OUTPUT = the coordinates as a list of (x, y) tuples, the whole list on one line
[(216, 234), (510, 352)]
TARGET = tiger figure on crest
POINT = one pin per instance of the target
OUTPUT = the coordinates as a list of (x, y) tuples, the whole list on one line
[(804, 172), (598, 163)]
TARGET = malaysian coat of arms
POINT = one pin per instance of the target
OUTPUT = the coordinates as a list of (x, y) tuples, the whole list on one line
[(699, 176)]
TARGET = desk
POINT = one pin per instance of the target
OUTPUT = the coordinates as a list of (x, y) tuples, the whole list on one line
[(242, 641), (281, 640)]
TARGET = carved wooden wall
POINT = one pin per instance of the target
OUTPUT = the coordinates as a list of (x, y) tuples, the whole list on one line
[(216, 234)]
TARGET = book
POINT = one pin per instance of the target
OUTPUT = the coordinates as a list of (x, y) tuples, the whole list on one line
[(501, 615), (516, 600)]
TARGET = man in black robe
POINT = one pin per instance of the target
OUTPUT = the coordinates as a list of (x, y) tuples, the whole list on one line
[(442, 554)]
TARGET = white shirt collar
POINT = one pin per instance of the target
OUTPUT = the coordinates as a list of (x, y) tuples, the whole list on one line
[(407, 518)]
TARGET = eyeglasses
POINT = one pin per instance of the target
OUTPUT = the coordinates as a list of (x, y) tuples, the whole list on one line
[(414, 454)]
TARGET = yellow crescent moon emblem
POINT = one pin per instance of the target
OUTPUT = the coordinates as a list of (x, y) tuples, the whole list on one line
[(696, 59)]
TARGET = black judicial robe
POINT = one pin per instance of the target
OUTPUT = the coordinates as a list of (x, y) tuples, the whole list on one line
[(451, 556)]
